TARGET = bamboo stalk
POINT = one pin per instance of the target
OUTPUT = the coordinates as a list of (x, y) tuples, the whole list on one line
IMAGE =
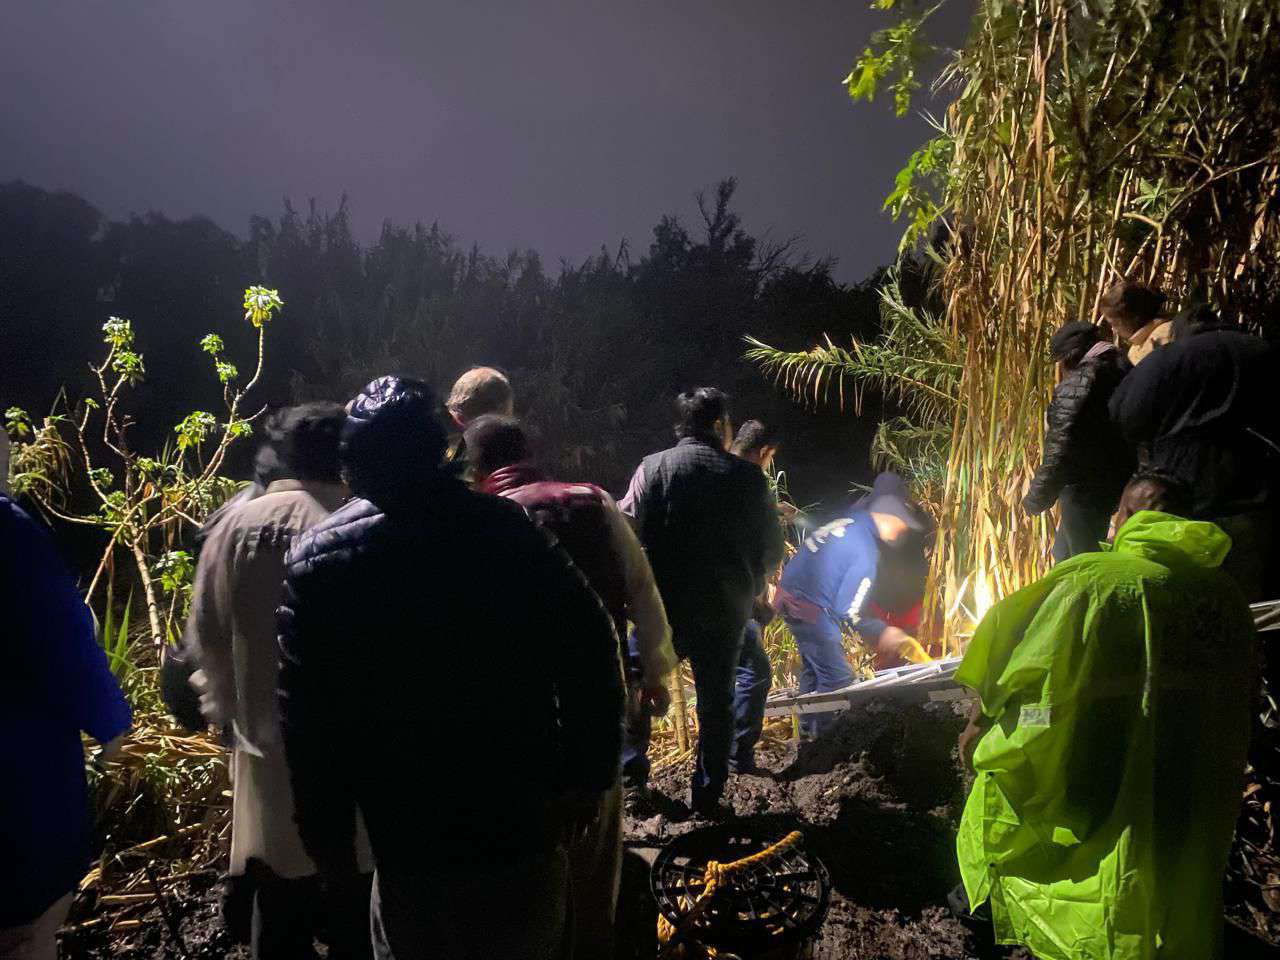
[(681, 707)]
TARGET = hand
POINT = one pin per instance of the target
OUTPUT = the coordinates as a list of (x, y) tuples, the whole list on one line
[(210, 708), (110, 750), (655, 700), (896, 645)]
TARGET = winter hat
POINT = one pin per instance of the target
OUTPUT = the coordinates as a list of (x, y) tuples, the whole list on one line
[(393, 439), (1072, 341)]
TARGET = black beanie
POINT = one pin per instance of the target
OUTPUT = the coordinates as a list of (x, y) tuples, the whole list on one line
[(1072, 341)]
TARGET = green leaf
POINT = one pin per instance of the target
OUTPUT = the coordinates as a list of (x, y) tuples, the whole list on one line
[(174, 569), (118, 332), (211, 344), (260, 304), (240, 428), (17, 422), (195, 429), (129, 365)]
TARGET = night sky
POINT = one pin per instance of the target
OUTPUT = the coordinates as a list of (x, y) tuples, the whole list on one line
[(559, 126)]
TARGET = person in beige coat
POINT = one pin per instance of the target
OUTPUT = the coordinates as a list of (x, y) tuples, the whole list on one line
[(1134, 312), (232, 631)]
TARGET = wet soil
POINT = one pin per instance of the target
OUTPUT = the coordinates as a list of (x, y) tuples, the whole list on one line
[(877, 798), (188, 925)]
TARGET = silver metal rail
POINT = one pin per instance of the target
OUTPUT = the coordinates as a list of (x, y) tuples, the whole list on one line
[(927, 681)]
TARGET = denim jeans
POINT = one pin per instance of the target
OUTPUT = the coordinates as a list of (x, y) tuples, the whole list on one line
[(754, 677), (715, 663), (713, 654), (823, 665)]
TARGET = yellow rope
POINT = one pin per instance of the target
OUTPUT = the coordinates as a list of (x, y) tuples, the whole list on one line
[(714, 876)]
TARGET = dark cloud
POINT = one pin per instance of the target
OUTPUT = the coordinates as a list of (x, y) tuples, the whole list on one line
[(553, 125)]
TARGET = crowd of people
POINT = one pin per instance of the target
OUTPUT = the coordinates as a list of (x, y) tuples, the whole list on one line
[(436, 666), (1114, 696)]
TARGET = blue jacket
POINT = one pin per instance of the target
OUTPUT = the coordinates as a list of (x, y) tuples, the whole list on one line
[(55, 683), (836, 568)]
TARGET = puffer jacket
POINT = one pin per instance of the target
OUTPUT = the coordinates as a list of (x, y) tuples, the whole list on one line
[(445, 668), (1082, 446)]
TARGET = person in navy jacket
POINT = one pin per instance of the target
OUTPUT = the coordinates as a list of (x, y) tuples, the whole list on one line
[(55, 684), (830, 581)]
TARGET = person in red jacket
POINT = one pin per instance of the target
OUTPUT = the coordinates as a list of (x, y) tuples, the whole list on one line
[(591, 529)]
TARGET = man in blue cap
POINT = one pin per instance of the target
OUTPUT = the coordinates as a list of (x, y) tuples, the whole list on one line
[(828, 585)]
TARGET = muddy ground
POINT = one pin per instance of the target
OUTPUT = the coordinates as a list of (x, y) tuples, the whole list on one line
[(877, 799)]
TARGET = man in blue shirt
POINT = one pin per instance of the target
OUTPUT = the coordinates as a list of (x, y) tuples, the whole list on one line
[(829, 582)]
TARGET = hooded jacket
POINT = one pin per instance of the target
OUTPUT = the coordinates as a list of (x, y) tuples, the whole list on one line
[(1082, 447), (445, 668), (1119, 690)]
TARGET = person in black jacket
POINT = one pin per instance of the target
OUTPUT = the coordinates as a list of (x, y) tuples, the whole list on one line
[(1086, 461), (447, 671), (1203, 410), (710, 525)]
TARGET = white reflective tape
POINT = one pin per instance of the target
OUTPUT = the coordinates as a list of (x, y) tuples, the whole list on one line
[(835, 528), (855, 608)]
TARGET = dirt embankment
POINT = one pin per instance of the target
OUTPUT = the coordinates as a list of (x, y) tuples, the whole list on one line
[(877, 798)]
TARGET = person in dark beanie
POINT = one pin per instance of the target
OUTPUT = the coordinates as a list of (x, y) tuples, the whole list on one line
[(1086, 461), (710, 525), (446, 670), (231, 633), (1133, 311)]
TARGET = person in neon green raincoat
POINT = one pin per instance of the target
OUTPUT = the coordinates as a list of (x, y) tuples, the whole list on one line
[(1115, 698)]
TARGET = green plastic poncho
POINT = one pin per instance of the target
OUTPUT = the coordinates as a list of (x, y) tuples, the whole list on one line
[(1107, 790)]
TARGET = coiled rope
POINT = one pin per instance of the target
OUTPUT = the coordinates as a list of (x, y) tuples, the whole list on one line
[(714, 876)]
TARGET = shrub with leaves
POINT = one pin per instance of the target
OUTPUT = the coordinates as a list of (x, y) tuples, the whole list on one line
[(145, 503)]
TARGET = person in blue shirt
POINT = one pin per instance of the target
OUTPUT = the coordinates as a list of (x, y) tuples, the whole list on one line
[(55, 683), (830, 583)]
